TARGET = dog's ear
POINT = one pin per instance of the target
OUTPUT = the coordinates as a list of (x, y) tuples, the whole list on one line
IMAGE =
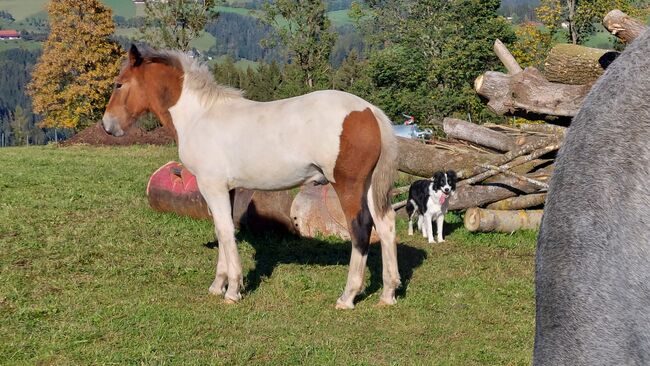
[(437, 178), (452, 175)]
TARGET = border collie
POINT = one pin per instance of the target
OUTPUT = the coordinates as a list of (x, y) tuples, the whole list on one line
[(429, 200)]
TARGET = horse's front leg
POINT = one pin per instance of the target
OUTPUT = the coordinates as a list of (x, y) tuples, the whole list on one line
[(228, 263)]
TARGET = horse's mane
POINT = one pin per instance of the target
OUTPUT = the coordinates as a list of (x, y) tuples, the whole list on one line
[(198, 77)]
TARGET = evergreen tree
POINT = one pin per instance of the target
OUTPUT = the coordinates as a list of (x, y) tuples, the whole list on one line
[(74, 76), (20, 126), (226, 73), (265, 82)]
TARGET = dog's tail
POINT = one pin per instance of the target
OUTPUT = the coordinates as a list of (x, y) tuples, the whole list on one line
[(386, 169)]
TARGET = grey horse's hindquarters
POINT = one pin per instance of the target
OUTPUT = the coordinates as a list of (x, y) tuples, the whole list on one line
[(593, 256)]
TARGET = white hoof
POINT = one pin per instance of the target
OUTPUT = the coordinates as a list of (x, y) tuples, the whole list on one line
[(344, 305), (217, 290)]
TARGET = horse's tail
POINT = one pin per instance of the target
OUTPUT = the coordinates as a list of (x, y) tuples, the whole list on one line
[(385, 171)]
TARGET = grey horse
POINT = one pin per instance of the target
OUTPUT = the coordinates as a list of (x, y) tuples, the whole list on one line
[(593, 254)]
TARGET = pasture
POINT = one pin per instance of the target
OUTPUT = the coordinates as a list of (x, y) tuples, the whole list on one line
[(90, 275)]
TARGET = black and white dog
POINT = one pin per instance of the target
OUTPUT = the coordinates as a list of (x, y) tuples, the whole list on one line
[(429, 199)]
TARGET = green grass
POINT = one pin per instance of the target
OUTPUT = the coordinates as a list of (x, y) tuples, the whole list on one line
[(21, 9), (124, 8), (19, 43), (204, 42), (340, 17), (91, 275)]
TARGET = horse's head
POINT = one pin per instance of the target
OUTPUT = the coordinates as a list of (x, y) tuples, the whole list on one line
[(147, 83)]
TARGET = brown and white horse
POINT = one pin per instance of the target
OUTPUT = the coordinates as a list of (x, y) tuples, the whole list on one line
[(228, 142)]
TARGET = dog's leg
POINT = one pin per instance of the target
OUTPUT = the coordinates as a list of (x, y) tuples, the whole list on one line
[(428, 223), (439, 221), (421, 226)]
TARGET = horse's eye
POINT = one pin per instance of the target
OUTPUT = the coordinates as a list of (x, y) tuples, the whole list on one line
[(118, 85)]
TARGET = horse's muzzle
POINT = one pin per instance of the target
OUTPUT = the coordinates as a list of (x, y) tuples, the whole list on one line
[(112, 126)]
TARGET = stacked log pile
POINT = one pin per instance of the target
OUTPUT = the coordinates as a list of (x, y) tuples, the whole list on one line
[(500, 168), (504, 170)]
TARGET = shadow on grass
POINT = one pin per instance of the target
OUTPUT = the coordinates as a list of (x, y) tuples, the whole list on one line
[(272, 249)]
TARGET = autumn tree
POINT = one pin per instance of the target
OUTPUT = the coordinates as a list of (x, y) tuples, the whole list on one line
[(73, 78), (303, 28), (175, 23)]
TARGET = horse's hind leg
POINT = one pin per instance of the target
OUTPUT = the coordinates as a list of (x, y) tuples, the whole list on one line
[(385, 226), (228, 263), (351, 193)]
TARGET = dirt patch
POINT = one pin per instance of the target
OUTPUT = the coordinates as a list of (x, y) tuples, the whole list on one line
[(95, 135)]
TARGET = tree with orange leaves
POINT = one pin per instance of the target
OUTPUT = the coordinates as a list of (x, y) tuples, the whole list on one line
[(73, 79)]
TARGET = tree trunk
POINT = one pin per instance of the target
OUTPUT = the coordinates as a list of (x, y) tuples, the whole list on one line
[(622, 26), (519, 202), (477, 219), (472, 132), (576, 65), (528, 94), (571, 5), (423, 160)]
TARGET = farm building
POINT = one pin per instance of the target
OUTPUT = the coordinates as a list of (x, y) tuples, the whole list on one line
[(9, 34)]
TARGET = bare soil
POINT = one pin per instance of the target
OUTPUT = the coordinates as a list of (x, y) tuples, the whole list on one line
[(95, 135)]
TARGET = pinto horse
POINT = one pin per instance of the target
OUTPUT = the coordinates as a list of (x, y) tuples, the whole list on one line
[(228, 142)]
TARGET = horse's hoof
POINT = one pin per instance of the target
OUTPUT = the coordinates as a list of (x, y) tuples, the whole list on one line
[(383, 303), (216, 290), (229, 301), (342, 305)]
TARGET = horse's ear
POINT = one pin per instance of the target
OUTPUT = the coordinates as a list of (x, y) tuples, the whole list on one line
[(135, 58)]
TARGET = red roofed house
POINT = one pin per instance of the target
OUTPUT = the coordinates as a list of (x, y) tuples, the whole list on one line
[(9, 34)]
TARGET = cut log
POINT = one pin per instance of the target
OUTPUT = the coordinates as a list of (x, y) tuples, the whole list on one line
[(529, 94), (423, 160), (622, 26), (472, 132), (477, 219), (316, 211), (577, 65), (519, 202), (498, 188)]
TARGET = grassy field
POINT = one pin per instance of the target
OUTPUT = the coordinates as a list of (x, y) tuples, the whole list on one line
[(91, 275)]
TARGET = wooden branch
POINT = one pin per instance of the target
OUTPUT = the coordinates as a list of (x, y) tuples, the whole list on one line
[(515, 175), (519, 202), (423, 160), (477, 134), (622, 26), (499, 188), (544, 128), (577, 65), (506, 161), (529, 94), (506, 57), (477, 219), (399, 205)]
